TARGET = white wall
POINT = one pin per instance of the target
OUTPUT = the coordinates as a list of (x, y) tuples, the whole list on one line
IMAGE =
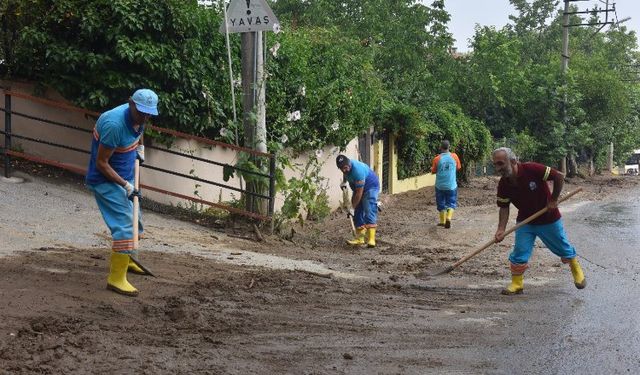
[(44, 131), (215, 173), (176, 184)]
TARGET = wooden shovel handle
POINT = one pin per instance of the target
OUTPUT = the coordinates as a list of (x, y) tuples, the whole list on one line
[(353, 226), (510, 230), (136, 203)]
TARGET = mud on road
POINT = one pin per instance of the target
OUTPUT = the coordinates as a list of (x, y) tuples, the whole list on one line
[(222, 305)]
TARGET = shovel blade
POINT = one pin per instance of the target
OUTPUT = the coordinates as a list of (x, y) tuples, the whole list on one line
[(432, 273), (443, 272), (145, 269)]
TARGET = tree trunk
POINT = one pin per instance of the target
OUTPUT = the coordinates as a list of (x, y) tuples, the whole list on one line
[(610, 157), (573, 166), (563, 165)]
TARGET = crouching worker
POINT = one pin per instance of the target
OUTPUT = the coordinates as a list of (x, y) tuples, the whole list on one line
[(525, 185), (117, 142), (364, 200)]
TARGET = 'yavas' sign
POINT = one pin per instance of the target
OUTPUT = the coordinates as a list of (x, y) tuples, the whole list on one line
[(245, 16)]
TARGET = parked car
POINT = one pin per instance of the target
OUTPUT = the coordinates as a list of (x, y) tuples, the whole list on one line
[(631, 170)]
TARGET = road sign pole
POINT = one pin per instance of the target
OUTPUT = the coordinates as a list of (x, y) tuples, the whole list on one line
[(251, 18)]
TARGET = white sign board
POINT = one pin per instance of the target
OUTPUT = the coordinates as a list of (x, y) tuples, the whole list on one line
[(244, 16)]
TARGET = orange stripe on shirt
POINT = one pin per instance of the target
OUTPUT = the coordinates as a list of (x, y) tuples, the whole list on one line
[(455, 157), (122, 150), (434, 165)]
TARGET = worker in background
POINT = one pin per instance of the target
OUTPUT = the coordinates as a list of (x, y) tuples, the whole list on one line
[(365, 186), (445, 166)]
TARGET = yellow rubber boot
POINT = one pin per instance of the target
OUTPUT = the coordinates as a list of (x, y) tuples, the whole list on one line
[(516, 286), (133, 268), (578, 276), (359, 240), (447, 223), (443, 217), (117, 280), (371, 237)]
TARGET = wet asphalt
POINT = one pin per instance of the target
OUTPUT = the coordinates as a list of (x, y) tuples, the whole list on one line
[(562, 330), (551, 329)]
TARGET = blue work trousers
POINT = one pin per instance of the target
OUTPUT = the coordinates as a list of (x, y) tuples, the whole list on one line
[(552, 235), (366, 213)]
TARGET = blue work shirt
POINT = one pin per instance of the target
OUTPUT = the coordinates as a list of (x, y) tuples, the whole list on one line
[(362, 176), (445, 166), (114, 130)]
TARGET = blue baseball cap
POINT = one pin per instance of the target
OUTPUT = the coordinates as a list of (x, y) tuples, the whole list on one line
[(146, 101)]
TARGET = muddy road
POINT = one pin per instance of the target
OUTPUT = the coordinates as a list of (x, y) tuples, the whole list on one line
[(309, 305), (598, 331)]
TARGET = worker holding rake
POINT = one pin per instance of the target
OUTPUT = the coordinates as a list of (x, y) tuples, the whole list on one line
[(525, 185), (364, 201), (115, 147)]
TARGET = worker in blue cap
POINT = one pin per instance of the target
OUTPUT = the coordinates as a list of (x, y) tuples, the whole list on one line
[(117, 143), (365, 185)]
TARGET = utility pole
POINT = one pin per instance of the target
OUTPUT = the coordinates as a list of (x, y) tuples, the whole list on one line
[(254, 109), (565, 69), (251, 18), (565, 65)]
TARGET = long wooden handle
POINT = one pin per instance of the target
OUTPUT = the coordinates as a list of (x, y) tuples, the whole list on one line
[(353, 226), (136, 203), (508, 231)]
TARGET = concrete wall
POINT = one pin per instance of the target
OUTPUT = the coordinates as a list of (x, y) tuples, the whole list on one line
[(176, 184), (47, 132), (215, 173)]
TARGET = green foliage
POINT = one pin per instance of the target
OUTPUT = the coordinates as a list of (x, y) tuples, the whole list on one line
[(525, 146), (329, 79), (514, 84), (469, 138), (306, 192), (407, 37), (249, 168), (413, 138), (98, 52), (419, 133), (343, 66)]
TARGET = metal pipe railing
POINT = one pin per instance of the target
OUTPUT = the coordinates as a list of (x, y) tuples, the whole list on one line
[(7, 135), (7, 152)]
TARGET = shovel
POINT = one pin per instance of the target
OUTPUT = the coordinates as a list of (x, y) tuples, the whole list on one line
[(353, 226), (508, 231), (136, 210), (345, 198)]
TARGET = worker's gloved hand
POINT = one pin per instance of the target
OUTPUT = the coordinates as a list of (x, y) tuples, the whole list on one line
[(140, 153), (379, 205), (344, 185), (136, 193), (131, 191), (128, 187), (351, 212)]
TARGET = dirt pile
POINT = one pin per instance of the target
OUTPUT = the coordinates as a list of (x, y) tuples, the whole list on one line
[(205, 316)]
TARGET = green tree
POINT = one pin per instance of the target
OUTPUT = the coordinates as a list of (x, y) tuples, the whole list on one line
[(329, 78), (97, 52), (512, 81)]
